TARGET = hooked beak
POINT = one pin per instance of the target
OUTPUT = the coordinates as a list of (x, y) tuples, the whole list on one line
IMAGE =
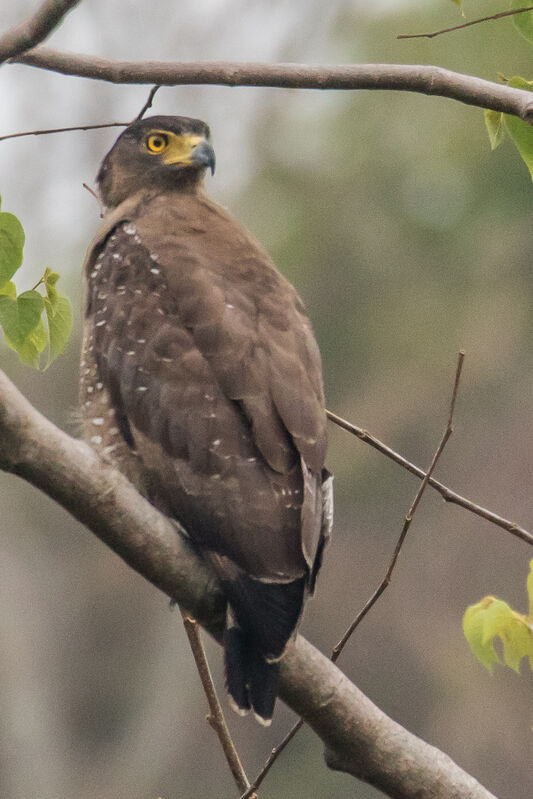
[(203, 155)]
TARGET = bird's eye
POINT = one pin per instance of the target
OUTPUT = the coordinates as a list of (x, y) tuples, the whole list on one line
[(157, 142)]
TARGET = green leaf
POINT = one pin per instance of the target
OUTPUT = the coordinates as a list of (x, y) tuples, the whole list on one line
[(20, 316), (11, 246), (517, 643), (50, 279), (496, 617), (59, 325), (521, 133), (523, 22), (530, 587), (473, 628), (495, 125), (30, 351), (10, 289)]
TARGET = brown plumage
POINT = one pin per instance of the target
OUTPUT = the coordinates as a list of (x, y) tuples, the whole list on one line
[(201, 379)]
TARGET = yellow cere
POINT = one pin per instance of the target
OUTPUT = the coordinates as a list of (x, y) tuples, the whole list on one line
[(176, 149)]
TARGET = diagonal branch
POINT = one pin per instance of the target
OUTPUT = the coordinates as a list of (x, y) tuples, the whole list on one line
[(499, 15), (446, 493), (423, 79), (216, 716), (337, 649), (35, 29), (358, 737)]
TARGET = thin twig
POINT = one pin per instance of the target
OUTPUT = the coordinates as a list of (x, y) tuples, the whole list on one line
[(35, 29), (97, 198), (499, 15), (64, 130), (446, 493), (216, 716), (337, 649), (148, 103), (273, 756), (142, 112), (424, 79)]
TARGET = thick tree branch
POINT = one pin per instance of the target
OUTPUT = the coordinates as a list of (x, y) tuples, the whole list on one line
[(358, 737), (35, 29), (399, 77)]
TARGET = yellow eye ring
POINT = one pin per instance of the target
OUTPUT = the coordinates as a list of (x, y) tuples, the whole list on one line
[(157, 142)]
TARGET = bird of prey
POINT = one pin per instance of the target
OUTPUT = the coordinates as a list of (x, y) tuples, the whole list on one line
[(201, 381)]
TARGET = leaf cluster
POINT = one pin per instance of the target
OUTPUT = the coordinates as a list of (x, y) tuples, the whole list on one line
[(22, 316), (493, 618)]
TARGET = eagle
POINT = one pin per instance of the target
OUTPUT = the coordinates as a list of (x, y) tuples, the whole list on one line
[(201, 381)]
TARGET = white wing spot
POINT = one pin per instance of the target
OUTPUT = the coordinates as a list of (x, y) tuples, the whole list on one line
[(97, 421), (101, 322), (129, 228), (96, 440), (141, 388), (154, 270), (116, 256), (99, 386), (141, 341), (153, 256)]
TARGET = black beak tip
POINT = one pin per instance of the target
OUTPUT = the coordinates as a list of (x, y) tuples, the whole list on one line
[(204, 156)]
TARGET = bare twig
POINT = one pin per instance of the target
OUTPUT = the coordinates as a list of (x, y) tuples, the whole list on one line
[(273, 756), (97, 198), (499, 15), (446, 493), (63, 130), (148, 103), (35, 29), (398, 77), (46, 131), (216, 716), (337, 649)]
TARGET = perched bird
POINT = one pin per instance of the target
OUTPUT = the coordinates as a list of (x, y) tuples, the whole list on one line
[(201, 381)]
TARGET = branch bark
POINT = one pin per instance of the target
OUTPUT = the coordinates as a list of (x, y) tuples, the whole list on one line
[(423, 79), (35, 29), (359, 739)]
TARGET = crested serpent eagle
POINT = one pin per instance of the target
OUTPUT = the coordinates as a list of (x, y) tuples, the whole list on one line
[(201, 381)]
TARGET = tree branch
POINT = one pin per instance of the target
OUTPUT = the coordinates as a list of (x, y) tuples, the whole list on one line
[(35, 29), (216, 716), (446, 493), (398, 77), (499, 15), (358, 737)]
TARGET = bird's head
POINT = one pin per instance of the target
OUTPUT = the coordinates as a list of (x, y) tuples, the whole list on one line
[(160, 152)]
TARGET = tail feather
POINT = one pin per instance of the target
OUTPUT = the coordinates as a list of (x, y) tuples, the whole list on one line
[(236, 662), (251, 682)]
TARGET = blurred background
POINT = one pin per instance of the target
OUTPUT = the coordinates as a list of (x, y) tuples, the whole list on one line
[(408, 239)]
